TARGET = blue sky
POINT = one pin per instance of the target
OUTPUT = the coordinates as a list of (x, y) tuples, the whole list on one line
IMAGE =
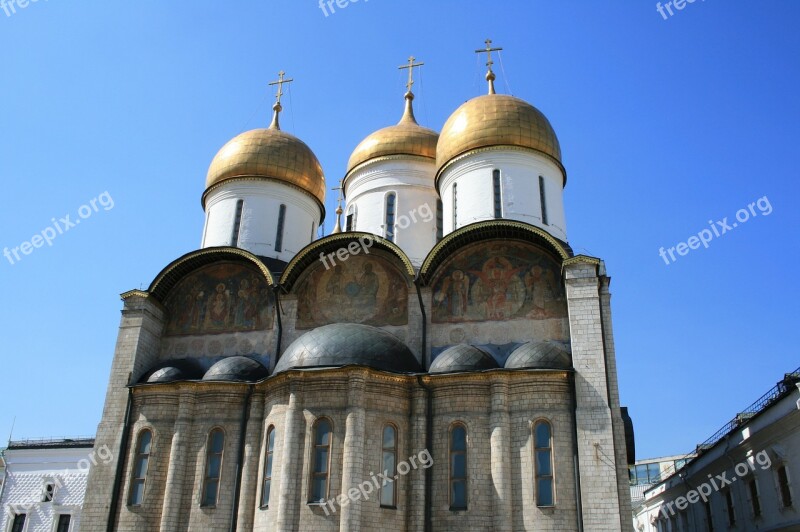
[(664, 125)]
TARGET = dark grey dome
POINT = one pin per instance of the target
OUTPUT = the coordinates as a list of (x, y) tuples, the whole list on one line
[(462, 357), (539, 355), (181, 369), (236, 368), (341, 344)]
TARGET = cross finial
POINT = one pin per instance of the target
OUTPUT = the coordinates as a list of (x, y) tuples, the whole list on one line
[(277, 108), (338, 226), (410, 66), (490, 77)]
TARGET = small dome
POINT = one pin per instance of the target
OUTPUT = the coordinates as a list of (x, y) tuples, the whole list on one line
[(539, 355), (236, 368), (181, 369), (495, 120), (342, 344), (405, 138), (269, 154), (462, 357)]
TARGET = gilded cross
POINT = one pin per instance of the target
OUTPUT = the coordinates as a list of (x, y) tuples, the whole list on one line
[(410, 66), (488, 51), (280, 83)]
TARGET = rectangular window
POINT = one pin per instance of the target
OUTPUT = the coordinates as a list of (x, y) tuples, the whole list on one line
[(214, 450), (709, 517), (389, 466), (321, 460), (391, 200), (237, 223), (498, 200), (265, 490), (455, 206), (458, 468), (543, 201), (48, 492), (755, 502), (281, 221), (140, 463), (543, 463), (348, 224), (439, 220), (63, 523), (730, 508), (19, 523), (783, 486)]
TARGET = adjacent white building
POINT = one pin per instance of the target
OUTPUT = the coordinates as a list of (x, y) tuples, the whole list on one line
[(743, 478), (44, 484)]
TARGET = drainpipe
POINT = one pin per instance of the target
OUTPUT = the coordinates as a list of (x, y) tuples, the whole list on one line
[(575, 459), (240, 457), (276, 289), (429, 446), (123, 452)]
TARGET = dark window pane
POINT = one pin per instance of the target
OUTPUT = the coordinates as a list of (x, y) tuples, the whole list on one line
[(754, 498), (459, 462), (653, 473), (19, 523), (388, 463), (544, 492), (214, 465), (137, 492), (387, 494), (458, 494), (63, 523), (268, 468), (217, 441), (783, 481), (389, 437), (321, 460), (322, 436), (543, 463), (319, 487), (145, 440), (140, 469), (265, 493), (458, 439), (210, 495), (542, 435)]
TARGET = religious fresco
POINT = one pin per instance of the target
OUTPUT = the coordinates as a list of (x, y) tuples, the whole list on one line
[(498, 281), (222, 298), (362, 289)]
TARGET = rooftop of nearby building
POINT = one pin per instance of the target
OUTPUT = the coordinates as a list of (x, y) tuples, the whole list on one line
[(52, 443)]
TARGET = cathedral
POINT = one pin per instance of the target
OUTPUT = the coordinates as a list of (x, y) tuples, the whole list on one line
[(441, 361)]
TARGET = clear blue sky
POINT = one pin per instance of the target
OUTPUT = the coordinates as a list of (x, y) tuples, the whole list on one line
[(664, 125)]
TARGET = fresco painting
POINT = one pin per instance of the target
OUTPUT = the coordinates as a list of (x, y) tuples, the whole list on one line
[(359, 290), (498, 281), (221, 298)]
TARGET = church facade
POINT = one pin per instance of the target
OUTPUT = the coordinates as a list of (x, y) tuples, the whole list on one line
[(442, 361)]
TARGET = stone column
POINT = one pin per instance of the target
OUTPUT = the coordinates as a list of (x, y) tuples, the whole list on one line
[(415, 503), (290, 488), (500, 441), (353, 460), (176, 472), (600, 502), (250, 471)]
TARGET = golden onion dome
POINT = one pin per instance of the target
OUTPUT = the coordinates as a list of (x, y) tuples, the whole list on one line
[(405, 138), (268, 154), (495, 120)]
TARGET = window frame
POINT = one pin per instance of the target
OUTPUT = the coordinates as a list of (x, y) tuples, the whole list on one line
[(22, 528), (452, 479), (784, 486), (58, 521), (730, 507), (455, 206), (312, 474), (543, 201), (48, 491), (390, 229), (536, 475), (203, 502), (390, 474), (754, 495), (497, 193), (137, 456), (281, 228), (237, 223), (269, 462)]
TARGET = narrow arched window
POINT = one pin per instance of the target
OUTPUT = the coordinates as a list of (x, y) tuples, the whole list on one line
[(543, 462), (497, 193), (237, 223), (281, 221), (350, 221), (543, 200), (389, 466), (215, 448), (320, 472), (455, 206), (439, 220), (140, 462), (784, 487), (391, 204), (458, 467), (265, 489)]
